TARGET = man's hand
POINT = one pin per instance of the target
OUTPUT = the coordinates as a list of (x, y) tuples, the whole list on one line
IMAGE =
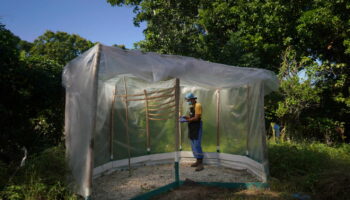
[(193, 119), (183, 119)]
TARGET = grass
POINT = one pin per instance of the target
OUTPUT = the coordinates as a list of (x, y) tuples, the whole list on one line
[(44, 177), (315, 169), (309, 168), (254, 194)]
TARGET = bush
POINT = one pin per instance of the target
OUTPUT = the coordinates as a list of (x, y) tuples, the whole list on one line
[(315, 168), (49, 166), (3, 174), (43, 177)]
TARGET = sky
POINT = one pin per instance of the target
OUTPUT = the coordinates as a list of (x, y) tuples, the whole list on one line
[(95, 20)]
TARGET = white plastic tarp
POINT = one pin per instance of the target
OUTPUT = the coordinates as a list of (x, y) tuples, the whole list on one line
[(91, 78)]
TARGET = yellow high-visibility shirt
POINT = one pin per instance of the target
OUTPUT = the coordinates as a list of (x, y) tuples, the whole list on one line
[(198, 109)]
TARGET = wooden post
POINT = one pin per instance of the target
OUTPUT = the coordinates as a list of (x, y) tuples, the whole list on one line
[(180, 130), (112, 125), (176, 166), (263, 134), (147, 124), (218, 120), (248, 118), (127, 123)]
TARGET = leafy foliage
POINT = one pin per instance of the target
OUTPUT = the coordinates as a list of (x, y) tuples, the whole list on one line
[(32, 114), (284, 36), (29, 116), (60, 46), (310, 167), (43, 177), (256, 34), (32, 109), (300, 93)]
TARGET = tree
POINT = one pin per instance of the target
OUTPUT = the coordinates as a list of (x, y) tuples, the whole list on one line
[(9, 59), (122, 46), (300, 93), (255, 34), (32, 107), (241, 33), (60, 46), (324, 33), (9, 49)]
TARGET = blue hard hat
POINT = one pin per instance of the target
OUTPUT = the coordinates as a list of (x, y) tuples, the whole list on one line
[(190, 96)]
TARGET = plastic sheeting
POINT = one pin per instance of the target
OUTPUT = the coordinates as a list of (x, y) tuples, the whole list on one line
[(92, 79)]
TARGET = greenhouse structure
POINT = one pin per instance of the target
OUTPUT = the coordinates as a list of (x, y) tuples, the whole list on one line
[(123, 106)]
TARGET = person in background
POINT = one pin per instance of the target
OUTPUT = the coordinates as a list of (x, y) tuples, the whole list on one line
[(275, 131), (195, 125)]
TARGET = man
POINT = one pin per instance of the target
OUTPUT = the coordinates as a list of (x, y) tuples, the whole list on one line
[(195, 129), (275, 131)]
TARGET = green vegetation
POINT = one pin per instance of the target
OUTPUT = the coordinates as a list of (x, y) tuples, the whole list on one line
[(60, 46), (313, 168), (32, 111), (287, 37), (33, 108), (44, 176), (308, 168)]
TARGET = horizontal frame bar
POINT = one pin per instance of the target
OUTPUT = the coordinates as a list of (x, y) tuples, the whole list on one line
[(162, 108), (171, 101), (149, 98), (148, 93), (158, 119), (162, 114)]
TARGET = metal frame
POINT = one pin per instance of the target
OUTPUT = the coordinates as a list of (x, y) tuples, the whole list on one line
[(175, 185), (248, 121), (127, 123), (153, 104), (167, 114), (111, 124), (217, 159), (258, 169), (218, 108)]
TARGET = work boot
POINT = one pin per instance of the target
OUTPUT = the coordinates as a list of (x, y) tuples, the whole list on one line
[(200, 166), (195, 164)]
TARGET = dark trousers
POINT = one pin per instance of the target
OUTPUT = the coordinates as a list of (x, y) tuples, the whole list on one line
[(197, 144)]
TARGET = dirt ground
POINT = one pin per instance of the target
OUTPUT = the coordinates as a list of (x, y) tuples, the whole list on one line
[(195, 191), (123, 184)]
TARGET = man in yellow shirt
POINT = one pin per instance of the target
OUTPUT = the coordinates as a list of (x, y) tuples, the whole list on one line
[(195, 129)]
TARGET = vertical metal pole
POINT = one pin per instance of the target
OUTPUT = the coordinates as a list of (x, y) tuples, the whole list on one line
[(147, 124), (180, 130), (127, 123), (93, 120), (177, 94), (218, 120), (112, 125), (248, 120), (263, 133)]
